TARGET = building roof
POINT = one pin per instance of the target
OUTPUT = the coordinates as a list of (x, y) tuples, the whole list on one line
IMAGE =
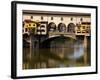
[(55, 13)]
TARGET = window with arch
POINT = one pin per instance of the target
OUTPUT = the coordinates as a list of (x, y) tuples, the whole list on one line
[(61, 27), (71, 28), (52, 26)]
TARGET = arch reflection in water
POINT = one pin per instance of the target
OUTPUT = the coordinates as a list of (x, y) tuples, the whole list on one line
[(62, 52)]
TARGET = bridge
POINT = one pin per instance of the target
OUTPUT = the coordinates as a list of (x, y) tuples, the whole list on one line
[(36, 33), (65, 34), (43, 40), (39, 38)]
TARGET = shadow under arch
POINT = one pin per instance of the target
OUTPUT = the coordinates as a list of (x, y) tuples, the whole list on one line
[(46, 43)]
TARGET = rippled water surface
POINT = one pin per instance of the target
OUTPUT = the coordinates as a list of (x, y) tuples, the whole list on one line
[(62, 52)]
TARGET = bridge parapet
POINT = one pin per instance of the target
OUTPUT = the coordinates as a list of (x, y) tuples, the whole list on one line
[(84, 34), (57, 32), (66, 34)]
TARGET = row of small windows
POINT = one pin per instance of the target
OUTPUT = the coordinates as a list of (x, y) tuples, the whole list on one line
[(26, 30), (52, 18), (30, 25), (62, 28)]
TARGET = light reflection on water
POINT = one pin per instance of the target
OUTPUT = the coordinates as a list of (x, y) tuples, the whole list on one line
[(78, 51), (62, 53)]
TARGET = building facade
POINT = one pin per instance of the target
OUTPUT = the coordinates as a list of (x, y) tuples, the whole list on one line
[(44, 23)]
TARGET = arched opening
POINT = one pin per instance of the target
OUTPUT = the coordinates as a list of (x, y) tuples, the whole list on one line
[(71, 28), (61, 27), (52, 27), (46, 43)]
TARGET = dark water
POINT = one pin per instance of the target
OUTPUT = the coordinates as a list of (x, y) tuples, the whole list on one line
[(63, 52)]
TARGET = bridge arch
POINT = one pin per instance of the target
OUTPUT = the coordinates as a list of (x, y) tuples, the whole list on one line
[(71, 28), (46, 42), (61, 27), (51, 26)]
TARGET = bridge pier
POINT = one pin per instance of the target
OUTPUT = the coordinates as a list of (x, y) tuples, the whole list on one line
[(33, 46), (85, 50), (35, 49)]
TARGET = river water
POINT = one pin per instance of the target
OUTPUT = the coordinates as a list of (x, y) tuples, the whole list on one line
[(63, 52)]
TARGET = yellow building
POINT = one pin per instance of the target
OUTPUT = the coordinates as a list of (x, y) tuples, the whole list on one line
[(83, 27), (29, 24)]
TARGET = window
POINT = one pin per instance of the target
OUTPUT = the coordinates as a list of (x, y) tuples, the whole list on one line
[(61, 27), (71, 19), (51, 18), (29, 24), (41, 17), (33, 24), (26, 29), (61, 18), (88, 27), (38, 30), (71, 28), (52, 26), (78, 27), (42, 30), (81, 19), (42, 26), (31, 17), (83, 27)]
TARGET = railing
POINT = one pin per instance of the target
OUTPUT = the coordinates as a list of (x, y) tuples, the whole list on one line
[(60, 33), (67, 33), (64, 33)]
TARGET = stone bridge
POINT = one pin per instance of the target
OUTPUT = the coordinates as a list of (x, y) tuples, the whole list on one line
[(65, 34)]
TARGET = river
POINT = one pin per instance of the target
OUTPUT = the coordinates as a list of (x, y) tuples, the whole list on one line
[(63, 52)]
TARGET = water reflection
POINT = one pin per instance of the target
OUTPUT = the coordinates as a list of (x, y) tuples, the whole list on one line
[(78, 50), (63, 52)]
